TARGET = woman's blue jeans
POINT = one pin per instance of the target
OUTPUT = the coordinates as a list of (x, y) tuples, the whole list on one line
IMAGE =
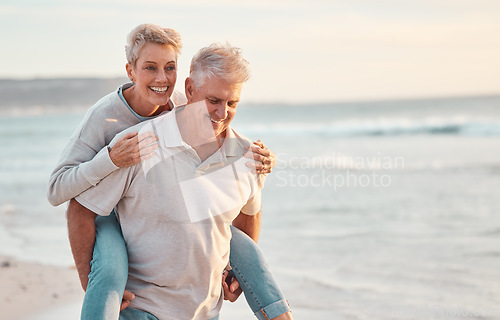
[(109, 273)]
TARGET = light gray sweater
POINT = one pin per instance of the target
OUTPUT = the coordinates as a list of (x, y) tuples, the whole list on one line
[(85, 160)]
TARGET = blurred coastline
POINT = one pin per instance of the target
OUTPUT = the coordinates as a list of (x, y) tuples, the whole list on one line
[(59, 95)]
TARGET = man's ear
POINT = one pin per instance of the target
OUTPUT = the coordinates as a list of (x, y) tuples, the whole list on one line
[(189, 88)]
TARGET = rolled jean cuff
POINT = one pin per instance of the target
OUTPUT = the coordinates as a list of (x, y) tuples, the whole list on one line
[(273, 310)]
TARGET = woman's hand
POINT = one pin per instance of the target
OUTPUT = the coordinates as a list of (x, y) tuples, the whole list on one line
[(133, 148), (265, 158)]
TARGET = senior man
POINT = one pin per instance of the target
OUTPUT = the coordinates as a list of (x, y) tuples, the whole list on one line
[(175, 208)]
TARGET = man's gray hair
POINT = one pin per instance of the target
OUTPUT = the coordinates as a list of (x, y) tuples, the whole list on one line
[(150, 33), (221, 61)]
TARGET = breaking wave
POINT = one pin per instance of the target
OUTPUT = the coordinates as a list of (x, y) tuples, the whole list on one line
[(385, 127)]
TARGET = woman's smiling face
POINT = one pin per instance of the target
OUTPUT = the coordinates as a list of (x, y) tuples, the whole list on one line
[(154, 74)]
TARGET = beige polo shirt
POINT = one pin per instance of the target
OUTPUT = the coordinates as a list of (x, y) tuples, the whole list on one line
[(175, 212)]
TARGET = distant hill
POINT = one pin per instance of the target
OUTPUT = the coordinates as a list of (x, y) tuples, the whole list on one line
[(55, 93)]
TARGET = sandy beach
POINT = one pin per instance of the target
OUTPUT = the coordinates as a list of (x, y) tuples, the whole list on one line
[(31, 289)]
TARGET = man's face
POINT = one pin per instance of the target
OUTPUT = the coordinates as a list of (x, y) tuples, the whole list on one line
[(221, 98)]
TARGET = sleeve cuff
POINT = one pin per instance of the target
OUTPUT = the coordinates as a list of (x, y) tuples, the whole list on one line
[(81, 200), (99, 167), (253, 206)]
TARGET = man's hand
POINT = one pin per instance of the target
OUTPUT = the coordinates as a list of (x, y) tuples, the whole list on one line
[(231, 287), (127, 296), (133, 148), (265, 158)]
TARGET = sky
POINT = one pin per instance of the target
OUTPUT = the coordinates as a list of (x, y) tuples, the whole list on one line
[(299, 50)]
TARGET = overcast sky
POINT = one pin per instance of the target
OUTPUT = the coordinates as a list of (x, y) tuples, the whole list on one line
[(308, 50)]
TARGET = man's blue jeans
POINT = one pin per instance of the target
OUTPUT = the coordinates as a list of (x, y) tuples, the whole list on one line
[(109, 272)]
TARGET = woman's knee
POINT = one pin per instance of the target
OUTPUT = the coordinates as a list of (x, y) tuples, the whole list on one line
[(107, 273), (243, 248)]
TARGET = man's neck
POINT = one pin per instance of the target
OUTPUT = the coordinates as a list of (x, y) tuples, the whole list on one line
[(206, 150)]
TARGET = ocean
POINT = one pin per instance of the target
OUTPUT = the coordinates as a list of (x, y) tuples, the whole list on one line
[(375, 210)]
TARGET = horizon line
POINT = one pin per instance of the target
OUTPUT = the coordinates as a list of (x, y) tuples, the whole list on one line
[(284, 102)]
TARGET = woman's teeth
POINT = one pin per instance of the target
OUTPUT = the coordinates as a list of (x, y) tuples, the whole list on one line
[(159, 89)]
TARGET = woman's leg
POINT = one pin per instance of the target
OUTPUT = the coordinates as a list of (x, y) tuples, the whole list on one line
[(261, 290), (109, 272)]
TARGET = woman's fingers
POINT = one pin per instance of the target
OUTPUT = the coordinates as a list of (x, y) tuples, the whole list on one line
[(133, 148), (146, 138), (147, 152), (259, 168), (257, 157), (263, 155), (265, 159), (261, 148), (128, 136)]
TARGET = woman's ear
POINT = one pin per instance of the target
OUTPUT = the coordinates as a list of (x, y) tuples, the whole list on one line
[(130, 70)]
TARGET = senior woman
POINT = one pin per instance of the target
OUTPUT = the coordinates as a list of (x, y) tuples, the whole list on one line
[(103, 266)]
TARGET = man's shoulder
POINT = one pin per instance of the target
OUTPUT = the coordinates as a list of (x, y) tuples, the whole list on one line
[(242, 139), (134, 128), (147, 125)]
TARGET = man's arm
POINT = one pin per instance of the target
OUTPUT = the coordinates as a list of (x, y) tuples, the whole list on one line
[(249, 224), (81, 231)]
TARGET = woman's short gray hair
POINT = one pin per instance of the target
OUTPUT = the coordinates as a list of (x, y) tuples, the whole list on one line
[(146, 33), (221, 61)]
